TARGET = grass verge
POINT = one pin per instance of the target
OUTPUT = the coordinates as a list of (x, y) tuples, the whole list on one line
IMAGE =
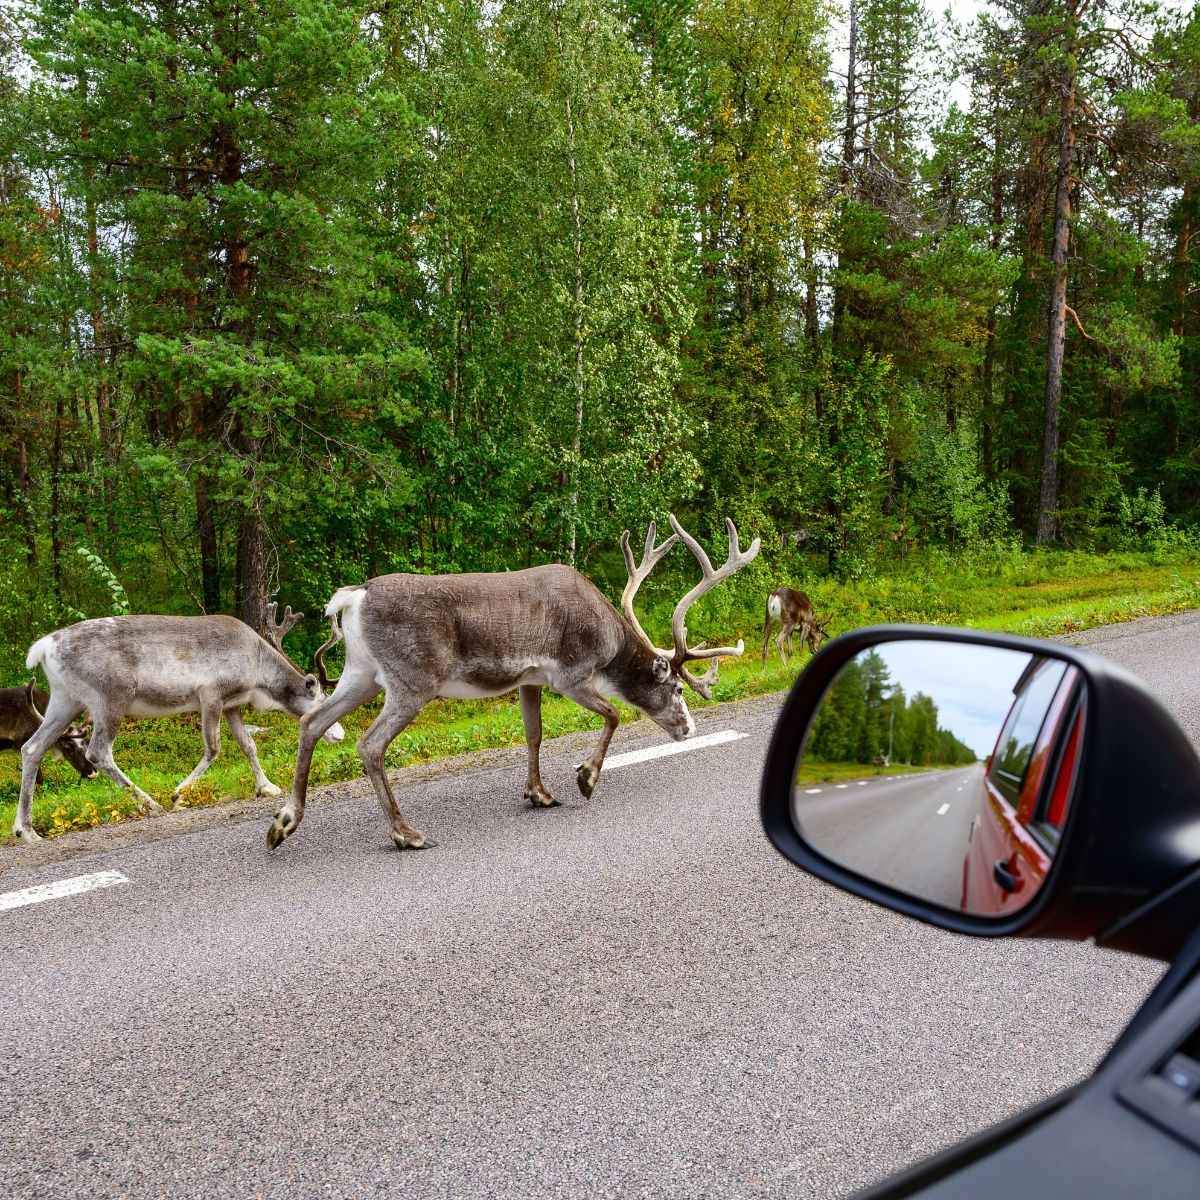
[(1038, 594)]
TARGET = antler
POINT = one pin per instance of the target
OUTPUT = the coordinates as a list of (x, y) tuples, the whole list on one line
[(702, 683), (277, 631), (335, 636), (651, 557), (319, 660), (734, 562), (33, 708)]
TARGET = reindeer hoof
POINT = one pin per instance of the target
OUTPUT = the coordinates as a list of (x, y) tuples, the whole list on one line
[(29, 836), (587, 777), (413, 841), (542, 799), (282, 828), (269, 789)]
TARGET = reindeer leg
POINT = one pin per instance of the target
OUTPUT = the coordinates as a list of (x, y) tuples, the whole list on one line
[(536, 792), (237, 727), (587, 774), (210, 730), (99, 754), (398, 711), (783, 632), (351, 691), (766, 639), (60, 712)]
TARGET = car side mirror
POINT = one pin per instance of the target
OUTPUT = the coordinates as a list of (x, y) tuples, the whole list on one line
[(990, 785)]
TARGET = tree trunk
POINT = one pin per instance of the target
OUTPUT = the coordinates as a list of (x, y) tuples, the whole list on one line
[(24, 482), (104, 423), (206, 527), (576, 328), (56, 464), (254, 582), (846, 170), (1057, 331), (253, 573), (1183, 253), (989, 351)]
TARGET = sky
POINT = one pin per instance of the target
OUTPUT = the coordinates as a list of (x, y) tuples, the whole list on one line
[(963, 13), (972, 686)]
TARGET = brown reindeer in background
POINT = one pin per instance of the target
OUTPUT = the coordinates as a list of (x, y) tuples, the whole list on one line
[(792, 610), (21, 710)]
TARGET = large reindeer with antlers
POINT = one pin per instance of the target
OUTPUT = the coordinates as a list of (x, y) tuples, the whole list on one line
[(154, 666), (419, 637)]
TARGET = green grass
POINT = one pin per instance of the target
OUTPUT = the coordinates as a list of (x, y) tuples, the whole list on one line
[(1035, 593), (812, 770)]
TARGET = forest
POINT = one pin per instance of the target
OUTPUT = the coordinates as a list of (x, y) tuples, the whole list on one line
[(866, 714), (296, 292)]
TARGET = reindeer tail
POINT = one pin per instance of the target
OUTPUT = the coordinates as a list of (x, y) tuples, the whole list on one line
[(37, 653), (339, 601)]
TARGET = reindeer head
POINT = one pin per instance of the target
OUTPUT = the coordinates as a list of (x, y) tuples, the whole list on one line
[(817, 633), (658, 690), (307, 695), (73, 743)]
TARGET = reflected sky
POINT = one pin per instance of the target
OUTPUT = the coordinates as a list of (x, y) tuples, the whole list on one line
[(972, 686)]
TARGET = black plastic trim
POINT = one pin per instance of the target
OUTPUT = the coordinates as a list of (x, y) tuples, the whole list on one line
[(962, 1154), (1132, 829)]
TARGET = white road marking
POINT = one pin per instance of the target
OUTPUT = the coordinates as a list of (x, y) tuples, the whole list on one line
[(941, 812), (60, 888), (843, 785), (811, 791), (863, 782), (697, 743)]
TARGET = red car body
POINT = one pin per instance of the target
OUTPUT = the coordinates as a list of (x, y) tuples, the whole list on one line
[(1026, 786)]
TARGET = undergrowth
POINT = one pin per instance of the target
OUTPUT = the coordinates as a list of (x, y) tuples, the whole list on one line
[(1006, 588)]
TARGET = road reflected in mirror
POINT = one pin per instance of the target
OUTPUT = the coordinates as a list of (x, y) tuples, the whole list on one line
[(944, 770)]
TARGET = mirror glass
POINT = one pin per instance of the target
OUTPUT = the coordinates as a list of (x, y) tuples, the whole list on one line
[(944, 770)]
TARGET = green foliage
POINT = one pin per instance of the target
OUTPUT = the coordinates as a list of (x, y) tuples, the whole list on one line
[(1038, 593), (945, 495), (119, 601), (865, 715), (296, 294)]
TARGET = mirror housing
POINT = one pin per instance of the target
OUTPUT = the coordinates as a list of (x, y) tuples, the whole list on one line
[(1127, 871)]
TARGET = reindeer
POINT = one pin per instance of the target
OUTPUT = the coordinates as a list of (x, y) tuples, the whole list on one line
[(154, 666), (419, 637), (793, 610), (20, 716)]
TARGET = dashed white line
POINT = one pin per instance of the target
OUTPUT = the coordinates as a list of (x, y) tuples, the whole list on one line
[(840, 786), (863, 782), (701, 743), (941, 812), (812, 791), (60, 888)]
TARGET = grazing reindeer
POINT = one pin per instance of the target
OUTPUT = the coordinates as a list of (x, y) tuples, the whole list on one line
[(793, 610), (152, 666), (418, 637), (20, 716)]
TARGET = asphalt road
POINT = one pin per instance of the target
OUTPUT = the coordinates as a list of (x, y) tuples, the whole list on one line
[(909, 831), (630, 996)]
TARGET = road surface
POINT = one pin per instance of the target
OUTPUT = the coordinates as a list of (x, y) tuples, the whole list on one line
[(631, 996), (909, 831)]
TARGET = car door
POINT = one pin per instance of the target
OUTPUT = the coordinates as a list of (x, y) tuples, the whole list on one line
[(1015, 831)]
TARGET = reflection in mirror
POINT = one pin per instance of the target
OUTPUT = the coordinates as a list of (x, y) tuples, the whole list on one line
[(943, 769)]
